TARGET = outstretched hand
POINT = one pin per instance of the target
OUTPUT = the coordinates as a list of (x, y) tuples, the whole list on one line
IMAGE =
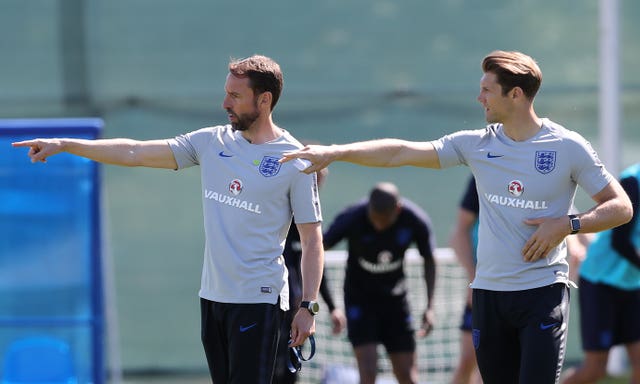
[(320, 157), (40, 149)]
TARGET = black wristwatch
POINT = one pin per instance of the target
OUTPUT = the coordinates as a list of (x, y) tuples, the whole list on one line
[(312, 306), (575, 224)]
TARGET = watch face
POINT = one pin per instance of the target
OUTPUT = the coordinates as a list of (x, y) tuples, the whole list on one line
[(575, 224), (312, 306)]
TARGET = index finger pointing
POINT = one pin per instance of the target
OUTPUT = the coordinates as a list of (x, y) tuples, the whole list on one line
[(26, 143)]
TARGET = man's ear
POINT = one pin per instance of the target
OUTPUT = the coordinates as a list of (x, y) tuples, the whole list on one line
[(516, 92), (264, 99)]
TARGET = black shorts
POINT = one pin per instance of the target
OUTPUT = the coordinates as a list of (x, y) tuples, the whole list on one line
[(240, 341), (465, 323), (380, 320), (608, 316), (282, 374), (520, 336)]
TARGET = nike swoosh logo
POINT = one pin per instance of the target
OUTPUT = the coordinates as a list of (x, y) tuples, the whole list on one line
[(222, 154), (492, 156), (248, 327), (547, 326)]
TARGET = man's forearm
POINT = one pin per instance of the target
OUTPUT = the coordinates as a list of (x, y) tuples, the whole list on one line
[(311, 267), (430, 280), (387, 153), (461, 243), (374, 153), (614, 208), (108, 151), (312, 262), (125, 152)]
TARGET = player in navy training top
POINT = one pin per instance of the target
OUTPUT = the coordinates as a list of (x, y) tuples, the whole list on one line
[(610, 294), (464, 241), (378, 231)]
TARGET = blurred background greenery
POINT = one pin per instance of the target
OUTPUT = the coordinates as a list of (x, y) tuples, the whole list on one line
[(354, 70)]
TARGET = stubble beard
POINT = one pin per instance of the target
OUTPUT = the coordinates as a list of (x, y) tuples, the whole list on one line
[(244, 121)]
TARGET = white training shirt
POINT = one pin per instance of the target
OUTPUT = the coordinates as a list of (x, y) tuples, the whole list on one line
[(248, 200), (517, 181)]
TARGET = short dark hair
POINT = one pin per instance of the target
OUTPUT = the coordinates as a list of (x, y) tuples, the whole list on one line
[(264, 75), (514, 69), (384, 198)]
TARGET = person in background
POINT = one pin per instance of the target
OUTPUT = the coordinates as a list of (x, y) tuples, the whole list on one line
[(248, 199), (379, 230), (292, 256), (610, 294), (463, 241), (527, 170)]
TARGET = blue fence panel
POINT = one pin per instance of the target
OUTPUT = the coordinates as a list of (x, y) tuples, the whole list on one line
[(51, 292)]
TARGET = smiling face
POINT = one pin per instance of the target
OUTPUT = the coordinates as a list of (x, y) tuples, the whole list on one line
[(240, 103), (496, 105)]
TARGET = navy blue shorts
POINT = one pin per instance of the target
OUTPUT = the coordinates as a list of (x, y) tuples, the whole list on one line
[(520, 336), (240, 341), (465, 323), (608, 316), (385, 321)]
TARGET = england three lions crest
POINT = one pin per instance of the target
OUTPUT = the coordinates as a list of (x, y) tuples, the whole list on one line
[(545, 161), (269, 166)]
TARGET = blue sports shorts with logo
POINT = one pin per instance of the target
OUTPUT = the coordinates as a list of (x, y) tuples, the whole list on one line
[(380, 320), (240, 341), (608, 316), (520, 336), (465, 322)]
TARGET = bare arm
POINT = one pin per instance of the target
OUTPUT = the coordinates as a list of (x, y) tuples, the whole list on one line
[(312, 264), (338, 320), (374, 153), (429, 275), (612, 208), (125, 152), (462, 243)]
